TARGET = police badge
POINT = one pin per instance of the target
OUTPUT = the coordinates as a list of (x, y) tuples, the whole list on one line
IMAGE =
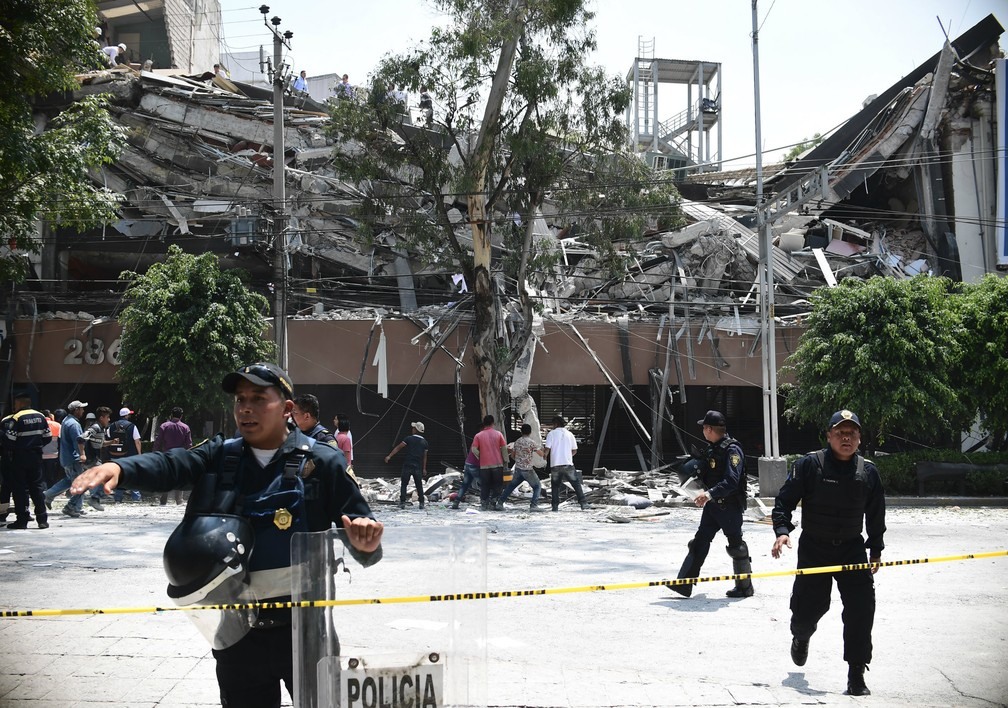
[(282, 519), (735, 459)]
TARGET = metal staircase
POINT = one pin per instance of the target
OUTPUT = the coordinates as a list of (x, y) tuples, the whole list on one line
[(685, 139)]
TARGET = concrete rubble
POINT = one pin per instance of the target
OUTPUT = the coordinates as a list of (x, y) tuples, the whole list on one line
[(201, 150), (626, 495)]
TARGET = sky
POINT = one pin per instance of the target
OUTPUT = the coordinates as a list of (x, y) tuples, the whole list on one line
[(818, 60)]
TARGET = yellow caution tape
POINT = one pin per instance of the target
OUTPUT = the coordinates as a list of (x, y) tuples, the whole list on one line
[(666, 582)]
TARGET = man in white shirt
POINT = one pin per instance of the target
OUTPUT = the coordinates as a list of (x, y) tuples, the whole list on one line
[(300, 85), (112, 53), (561, 446)]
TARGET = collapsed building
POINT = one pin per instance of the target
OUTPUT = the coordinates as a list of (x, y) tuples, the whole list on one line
[(908, 185)]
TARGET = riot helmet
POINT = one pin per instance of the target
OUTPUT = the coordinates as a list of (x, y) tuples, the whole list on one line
[(206, 559)]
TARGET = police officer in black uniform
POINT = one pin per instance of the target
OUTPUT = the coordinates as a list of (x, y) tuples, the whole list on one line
[(26, 432), (250, 494), (840, 492), (305, 415), (722, 472)]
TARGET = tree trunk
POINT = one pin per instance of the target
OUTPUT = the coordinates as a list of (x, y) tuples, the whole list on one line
[(486, 346)]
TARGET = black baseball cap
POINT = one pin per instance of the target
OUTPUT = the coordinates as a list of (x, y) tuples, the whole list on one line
[(844, 416), (261, 374), (715, 418)]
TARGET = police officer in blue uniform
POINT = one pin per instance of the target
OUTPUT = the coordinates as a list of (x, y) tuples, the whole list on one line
[(305, 416), (839, 492), (722, 472), (250, 494), (26, 432)]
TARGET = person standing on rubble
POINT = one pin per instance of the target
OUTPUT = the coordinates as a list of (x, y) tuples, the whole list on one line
[(414, 463), (524, 448), (722, 472), (561, 446), (490, 448), (300, 85), (839, 491)]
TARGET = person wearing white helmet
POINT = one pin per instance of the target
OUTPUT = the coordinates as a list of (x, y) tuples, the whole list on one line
[(113, 52)]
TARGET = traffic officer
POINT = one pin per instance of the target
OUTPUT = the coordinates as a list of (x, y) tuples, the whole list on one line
[(26, 432), (722, 473), (839, 492), (270, 480)]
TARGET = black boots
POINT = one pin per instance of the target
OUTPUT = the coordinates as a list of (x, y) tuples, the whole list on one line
[(799, 651), (855, 681), (691, 566), (742, 564)]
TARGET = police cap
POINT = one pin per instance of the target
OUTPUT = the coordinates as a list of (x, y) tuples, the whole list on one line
[(715, 419), (261, 374), (844, 416)]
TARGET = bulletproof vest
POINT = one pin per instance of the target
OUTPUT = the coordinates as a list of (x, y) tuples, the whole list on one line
[(122, 432), (320, 433), (713, 468), (275, 513), (834, 506)]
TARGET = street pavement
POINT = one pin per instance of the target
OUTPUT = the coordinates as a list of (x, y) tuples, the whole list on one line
[(941, 629)]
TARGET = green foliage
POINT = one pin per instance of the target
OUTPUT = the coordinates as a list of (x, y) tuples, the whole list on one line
[(899, 474), (984, 370), (801, 147), (188, 324), (885, 349), (560, 136), (43, 43)]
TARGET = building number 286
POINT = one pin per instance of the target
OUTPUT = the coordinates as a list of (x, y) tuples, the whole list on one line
[(91, 351)]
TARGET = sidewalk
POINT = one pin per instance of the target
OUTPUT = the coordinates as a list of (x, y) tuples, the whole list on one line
[(941, 630)]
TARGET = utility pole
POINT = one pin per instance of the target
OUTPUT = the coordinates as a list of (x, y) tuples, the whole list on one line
[(772, 467), (279, 190)]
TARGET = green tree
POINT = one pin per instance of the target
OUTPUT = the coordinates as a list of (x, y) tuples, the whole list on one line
[(185, 326), (985, 345), (44, 175), (521, 117), (801, 147), (886, 349)]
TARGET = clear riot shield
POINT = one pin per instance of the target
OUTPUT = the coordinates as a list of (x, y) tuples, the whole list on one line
[(395, 654)]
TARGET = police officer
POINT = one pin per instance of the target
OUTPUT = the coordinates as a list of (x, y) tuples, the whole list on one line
[(722, 472), (839, 491), (245, 480), (26, 432), (305, 415)]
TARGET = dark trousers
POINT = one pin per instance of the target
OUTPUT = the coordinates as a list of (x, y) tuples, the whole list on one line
[(810, 597), (491, 484), (726, 516), (557, 475), (5, 489), (26, 482), (408, 472), (249, 673)]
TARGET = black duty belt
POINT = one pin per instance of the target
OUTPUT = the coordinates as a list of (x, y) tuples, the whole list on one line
[(827, 541), (269, 618)]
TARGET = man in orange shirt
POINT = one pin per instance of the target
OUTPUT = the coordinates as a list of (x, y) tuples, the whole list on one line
[(51, 470)]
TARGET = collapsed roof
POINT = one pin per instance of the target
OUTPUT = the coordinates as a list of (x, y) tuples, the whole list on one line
[(197, 170)]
